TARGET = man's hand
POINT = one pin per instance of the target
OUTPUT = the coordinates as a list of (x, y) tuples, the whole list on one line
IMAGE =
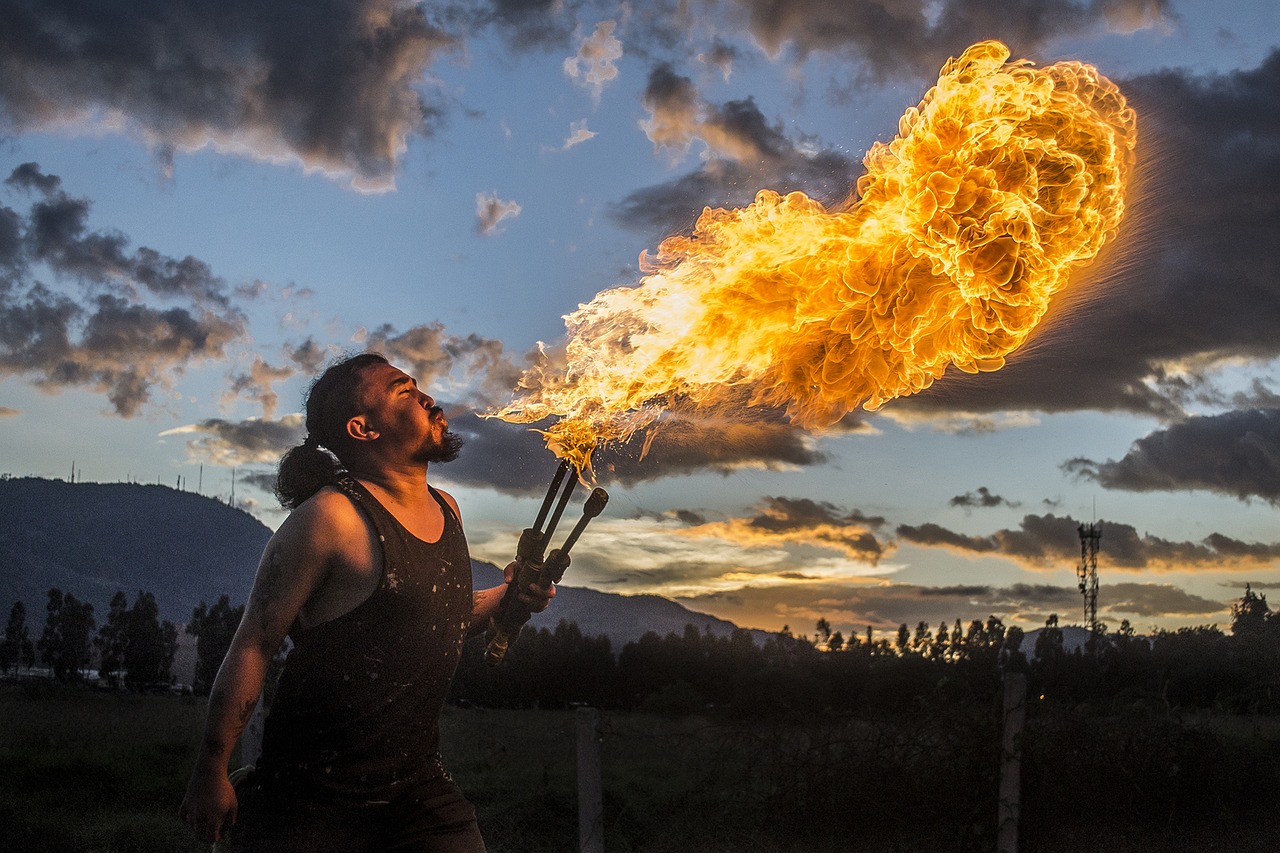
[(535, 598), (210, 804)]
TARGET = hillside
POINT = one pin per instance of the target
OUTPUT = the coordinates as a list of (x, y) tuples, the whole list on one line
[(92, 539)]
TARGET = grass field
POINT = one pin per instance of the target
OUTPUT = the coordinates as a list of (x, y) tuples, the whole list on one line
[(104, 772)]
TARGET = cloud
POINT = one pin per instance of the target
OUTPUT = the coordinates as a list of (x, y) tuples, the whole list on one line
[(1236, 453), (109, 336), (333, 86), (491, 210), (745, 152), (258, 384), (722, 56), (233, 443), (595, 64), (513, 457), (850, 607), (1049, 541), (802, 521), (896, 39), (467, 369), (578, 134), (6, 412), (983, 499)]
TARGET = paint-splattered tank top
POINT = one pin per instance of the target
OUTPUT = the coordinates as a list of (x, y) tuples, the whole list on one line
[(357, 709)]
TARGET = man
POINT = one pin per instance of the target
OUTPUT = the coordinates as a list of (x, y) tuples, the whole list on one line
[(370, 577)]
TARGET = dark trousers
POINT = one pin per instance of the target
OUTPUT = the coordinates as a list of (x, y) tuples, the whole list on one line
[(433, 817)]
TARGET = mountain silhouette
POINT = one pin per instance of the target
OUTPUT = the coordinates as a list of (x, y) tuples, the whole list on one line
[(94, 539)]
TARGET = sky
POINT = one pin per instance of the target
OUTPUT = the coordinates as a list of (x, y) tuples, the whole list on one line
[(203, 203)]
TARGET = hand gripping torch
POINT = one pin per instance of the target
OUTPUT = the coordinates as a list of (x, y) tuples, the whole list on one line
[(532, 569)]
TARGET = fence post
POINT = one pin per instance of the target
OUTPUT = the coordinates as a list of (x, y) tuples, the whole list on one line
[(1015, 714), (590, 793)]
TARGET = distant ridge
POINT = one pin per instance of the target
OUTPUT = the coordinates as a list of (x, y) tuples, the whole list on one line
[(92, 539)]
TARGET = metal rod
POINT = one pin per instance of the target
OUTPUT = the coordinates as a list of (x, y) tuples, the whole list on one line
[(564, 500), (561, 470)]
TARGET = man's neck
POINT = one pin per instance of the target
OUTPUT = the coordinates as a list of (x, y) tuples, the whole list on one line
[(405, 485)]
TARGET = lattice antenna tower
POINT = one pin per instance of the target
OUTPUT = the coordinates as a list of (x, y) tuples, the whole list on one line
[(1087, 572)]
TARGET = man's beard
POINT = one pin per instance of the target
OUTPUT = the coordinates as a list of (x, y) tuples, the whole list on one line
[(445, 450)]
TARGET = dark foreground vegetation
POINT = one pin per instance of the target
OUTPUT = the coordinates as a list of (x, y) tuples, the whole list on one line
[(1167, 743)]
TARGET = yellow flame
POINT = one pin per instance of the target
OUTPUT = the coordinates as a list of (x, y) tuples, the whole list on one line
[(962, 229)]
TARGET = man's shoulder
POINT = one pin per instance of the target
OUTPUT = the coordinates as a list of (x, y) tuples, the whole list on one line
[(329, 509)]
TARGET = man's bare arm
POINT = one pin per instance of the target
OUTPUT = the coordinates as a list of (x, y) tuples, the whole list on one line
[(292, 568)]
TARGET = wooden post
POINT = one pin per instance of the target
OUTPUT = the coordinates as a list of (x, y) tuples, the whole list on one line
[(1015, 715), (590, 793)]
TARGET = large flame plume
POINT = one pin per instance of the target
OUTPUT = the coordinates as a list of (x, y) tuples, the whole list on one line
[(1002, 180)]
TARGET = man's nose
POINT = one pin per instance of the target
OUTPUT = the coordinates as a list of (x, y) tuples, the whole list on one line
[(427, 399)]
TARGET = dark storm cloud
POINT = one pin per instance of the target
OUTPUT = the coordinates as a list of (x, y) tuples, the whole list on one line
[(1236, 453), (896, 39), (983, 499), (513, 458), (104, 337), (749, 153), (1191, 280), (1045, 541), (329, 82)]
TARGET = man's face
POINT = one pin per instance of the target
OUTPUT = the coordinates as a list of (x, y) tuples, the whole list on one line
[(401, 412)]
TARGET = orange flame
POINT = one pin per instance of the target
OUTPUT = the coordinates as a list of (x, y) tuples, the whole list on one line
[(1002, 180)]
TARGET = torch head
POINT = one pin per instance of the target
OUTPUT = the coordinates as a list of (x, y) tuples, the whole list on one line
[(595, 504)]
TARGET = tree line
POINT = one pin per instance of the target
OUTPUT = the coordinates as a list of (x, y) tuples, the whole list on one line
[(798, 676), (786, 675), (133, 649)]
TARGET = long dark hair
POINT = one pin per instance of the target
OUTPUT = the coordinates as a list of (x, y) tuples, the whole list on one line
[(332, 400)]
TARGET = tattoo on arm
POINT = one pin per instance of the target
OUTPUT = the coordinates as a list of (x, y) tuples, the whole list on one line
[(271, 580)]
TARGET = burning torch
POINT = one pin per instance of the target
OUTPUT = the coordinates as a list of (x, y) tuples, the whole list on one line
[(532, 568)]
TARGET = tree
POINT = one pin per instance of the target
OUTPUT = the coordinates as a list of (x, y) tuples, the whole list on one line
[(17, 641), (149, 646), (65, 644), (110, 641), (1249, 615), (213, 628)]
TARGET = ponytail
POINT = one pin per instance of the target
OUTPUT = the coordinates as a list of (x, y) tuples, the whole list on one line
[(303, 471)]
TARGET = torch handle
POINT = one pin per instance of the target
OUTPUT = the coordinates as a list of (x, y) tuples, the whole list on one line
[(512, 613)]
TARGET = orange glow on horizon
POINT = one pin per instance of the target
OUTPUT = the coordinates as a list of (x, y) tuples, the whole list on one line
[(1001, 181)]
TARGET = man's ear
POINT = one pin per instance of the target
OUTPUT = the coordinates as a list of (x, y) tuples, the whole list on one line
[(359, 429)]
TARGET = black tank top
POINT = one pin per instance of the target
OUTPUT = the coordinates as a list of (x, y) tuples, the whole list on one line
[(357, 709)]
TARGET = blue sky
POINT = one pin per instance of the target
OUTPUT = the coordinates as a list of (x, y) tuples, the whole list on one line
[(206, 201)]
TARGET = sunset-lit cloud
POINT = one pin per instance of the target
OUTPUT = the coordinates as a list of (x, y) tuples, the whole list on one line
[(230, 443), (1049, 541)]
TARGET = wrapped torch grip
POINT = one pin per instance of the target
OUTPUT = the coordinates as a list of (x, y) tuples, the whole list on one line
[(512, 613)]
